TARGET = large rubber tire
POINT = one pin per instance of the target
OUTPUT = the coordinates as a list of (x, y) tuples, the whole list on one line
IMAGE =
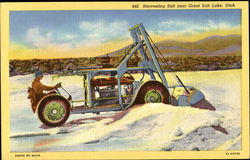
[(152, 92), (53, 110)]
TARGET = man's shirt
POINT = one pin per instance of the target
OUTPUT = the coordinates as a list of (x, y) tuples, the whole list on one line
[(39, 87)]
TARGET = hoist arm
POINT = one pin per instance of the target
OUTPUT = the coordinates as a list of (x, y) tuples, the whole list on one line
[(139, 33)]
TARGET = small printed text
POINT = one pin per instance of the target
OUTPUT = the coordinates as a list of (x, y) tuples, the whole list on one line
[(190, 5)]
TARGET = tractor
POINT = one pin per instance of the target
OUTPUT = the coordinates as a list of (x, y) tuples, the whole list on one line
[(118, 90)]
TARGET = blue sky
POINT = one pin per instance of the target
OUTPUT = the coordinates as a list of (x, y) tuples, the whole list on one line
[(74, 29)]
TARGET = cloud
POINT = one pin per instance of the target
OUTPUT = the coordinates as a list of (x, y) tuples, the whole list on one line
[(70, 36), (37, 39), (172, 23), (187, 27), (94, 38), (92, 33), (102, 31), (85, 25)]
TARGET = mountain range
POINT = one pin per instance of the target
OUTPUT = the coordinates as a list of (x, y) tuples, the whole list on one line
[(229, 45)]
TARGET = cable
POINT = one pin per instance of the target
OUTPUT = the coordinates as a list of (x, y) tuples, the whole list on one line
[(166, 63)]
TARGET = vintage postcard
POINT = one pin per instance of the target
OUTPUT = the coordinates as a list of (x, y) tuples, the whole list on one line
[(124, 80)]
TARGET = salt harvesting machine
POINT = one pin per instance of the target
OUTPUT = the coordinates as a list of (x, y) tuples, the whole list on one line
[(119, 90)]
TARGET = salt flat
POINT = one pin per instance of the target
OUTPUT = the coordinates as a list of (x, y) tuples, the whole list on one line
[(148, 127)]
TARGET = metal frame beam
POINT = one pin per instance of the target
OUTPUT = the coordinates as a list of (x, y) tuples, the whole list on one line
[(152, 53)]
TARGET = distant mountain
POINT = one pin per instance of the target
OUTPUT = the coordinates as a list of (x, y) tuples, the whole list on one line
[(209, 46)]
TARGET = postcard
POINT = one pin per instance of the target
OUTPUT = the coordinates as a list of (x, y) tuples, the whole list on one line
[(124, 80)]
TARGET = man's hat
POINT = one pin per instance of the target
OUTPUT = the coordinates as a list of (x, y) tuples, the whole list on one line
[(38, 74)]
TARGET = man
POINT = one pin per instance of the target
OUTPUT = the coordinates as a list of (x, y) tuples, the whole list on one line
[(36, 92), (38, 87)]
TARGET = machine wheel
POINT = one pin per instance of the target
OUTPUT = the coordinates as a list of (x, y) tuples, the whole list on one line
[(53, 110), (152, 92)]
